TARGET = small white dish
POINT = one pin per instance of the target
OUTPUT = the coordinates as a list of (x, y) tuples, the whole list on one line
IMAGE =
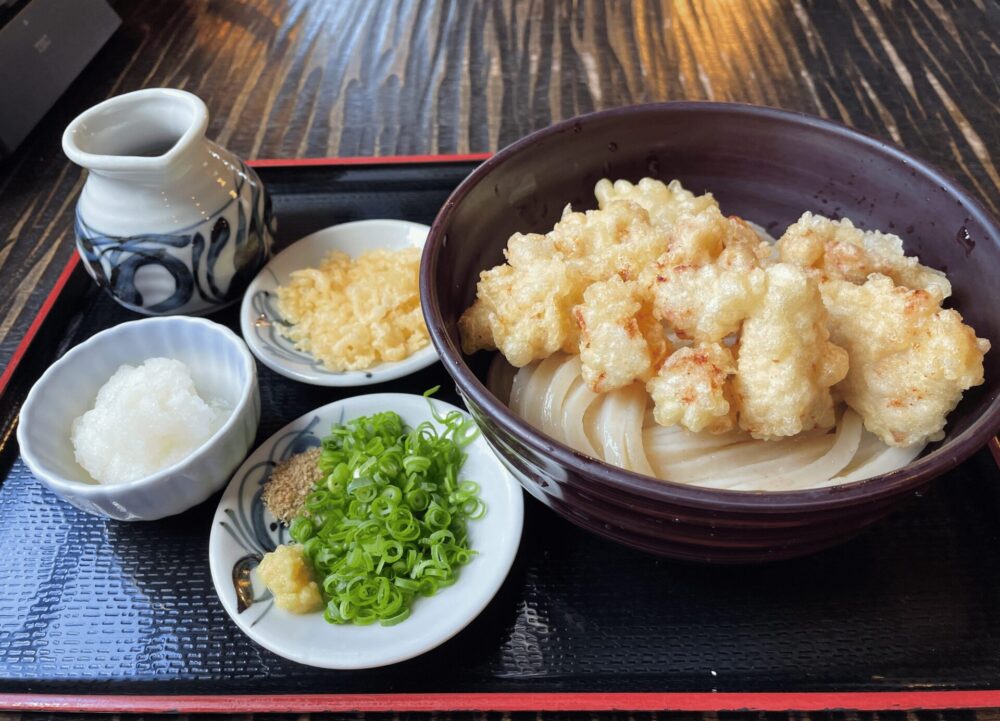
[(243, 529), (259, 316), (221, 367)]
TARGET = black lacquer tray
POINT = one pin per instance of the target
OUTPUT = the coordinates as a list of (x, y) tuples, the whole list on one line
[(106, 615)]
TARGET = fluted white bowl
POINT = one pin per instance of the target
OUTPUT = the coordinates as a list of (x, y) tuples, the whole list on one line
[(221, 366)]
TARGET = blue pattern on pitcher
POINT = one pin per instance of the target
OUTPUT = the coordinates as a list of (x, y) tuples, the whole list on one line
[(114, 261)]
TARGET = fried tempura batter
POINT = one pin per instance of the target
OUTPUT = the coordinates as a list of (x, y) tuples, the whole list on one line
[(353, 313), (786, 362), (617, 239), (524, 313), (766, 333), (693, 389), (708, 302), (665, 203), (524, 308), (620, 340), (710, 278), (840, 250), (910, 360)]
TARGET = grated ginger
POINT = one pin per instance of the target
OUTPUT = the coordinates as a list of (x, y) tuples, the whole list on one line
[(289, 577), (351, 314)]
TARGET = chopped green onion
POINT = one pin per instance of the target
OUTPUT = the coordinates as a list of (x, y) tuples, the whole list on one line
[(388, 521)]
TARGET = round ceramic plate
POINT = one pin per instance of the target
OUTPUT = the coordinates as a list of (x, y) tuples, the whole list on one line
[(243, 530), (260, 320)]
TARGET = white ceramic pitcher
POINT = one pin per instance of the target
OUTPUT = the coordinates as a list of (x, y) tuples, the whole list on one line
[(168, 222)]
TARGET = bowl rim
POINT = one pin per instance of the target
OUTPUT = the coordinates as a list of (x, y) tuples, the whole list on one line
[(100, 490), (911, 476)]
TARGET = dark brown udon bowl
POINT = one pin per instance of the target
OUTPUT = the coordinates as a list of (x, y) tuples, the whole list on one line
[(768, 166)]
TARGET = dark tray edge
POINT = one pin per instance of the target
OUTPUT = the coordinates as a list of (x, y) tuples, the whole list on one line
[(13, 378)]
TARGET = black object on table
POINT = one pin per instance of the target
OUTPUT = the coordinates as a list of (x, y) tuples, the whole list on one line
[(44, 45)]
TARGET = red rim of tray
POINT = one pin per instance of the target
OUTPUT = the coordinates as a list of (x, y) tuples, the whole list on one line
[(505, 702), (462, 702)]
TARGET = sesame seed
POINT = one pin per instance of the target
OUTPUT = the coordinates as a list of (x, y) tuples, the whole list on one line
[(290, 482)]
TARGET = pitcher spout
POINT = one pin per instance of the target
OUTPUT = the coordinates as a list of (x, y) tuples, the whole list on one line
[(138, 136)]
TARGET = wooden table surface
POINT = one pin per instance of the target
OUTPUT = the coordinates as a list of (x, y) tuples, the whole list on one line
[(293, 78)]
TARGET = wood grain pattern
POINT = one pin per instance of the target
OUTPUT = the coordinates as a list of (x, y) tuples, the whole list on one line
[(397, 77), (401, 77)]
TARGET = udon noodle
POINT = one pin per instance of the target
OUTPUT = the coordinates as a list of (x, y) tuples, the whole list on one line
[(618, 428)]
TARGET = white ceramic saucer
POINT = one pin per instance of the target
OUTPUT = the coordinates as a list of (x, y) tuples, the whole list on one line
[(259, 317), (243, 529)]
